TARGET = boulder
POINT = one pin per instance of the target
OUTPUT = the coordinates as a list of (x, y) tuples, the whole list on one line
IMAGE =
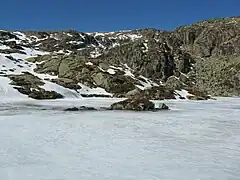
[(26, 79), (174, 83), (43, 94), (164, 107), (134, 104), (154, 93), (81, 108), (140, 104)]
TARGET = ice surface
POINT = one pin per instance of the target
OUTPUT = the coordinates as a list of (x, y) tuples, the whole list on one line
[(192, 141)]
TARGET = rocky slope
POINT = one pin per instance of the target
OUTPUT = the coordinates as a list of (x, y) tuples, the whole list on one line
[(190, 61)]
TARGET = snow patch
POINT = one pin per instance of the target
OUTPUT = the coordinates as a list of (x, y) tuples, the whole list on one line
[(145, 47), (89, 91), (67, 93), (89, 63), (7, 91), (111, 71), (95, 54), (182, 93), (4, 47)]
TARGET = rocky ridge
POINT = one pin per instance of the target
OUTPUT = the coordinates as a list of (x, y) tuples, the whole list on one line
[(189, 62)]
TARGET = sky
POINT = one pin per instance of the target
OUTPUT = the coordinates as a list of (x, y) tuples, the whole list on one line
[(110, 15)]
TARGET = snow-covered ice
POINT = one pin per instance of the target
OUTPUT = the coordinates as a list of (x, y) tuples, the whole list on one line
[(194, 140)]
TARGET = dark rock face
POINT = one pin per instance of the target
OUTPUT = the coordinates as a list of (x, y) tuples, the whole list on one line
[(42, 94), (142, 104), (137, 104), (81, 108), (164, 106), (154, 93), (67, 83), (26, 79), (28, 84)]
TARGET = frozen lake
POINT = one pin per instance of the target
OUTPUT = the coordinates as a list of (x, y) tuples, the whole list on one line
[(192, 141)]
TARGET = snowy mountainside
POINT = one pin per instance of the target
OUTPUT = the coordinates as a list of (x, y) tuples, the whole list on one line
[(17, 47), (187, 62)]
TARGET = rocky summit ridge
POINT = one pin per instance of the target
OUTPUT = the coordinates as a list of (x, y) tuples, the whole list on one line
[(191, 62)]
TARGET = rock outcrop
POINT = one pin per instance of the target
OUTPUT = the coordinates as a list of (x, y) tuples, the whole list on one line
[(136, 104), (204, 57), (30, 85)]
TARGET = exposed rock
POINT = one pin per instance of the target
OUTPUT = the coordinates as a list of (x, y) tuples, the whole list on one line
[(154, 93), (96, 95), (113, 83), (43, 94), (28, 84), (67, 83), (72, 109), (197, 98), (141, 104), (203, 56), (26, 79), (9, 51), (81, 108), (164, 106), (174, 83), (137, 104)]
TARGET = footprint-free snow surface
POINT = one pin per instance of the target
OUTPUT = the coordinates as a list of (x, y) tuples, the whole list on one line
[(192, 141)]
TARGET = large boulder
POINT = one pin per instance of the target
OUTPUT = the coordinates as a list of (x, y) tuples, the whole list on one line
[(154, 93), (142, 104), (81, 108), (136, 104), (40, 94), (174, 83)]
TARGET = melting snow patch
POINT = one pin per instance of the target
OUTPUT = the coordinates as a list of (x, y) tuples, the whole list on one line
[(8, 92), (119, 68), (93, 91), (115, 45), (111, 71), (82, 36), (4, 47), (145, 48), (75, 42), (95, 54), (89, 63), (21, 36), (129, 73), (17, 65), (134, 36), (182, 93), (68, 34), (101, 69), (67, 93), (145, 83)]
